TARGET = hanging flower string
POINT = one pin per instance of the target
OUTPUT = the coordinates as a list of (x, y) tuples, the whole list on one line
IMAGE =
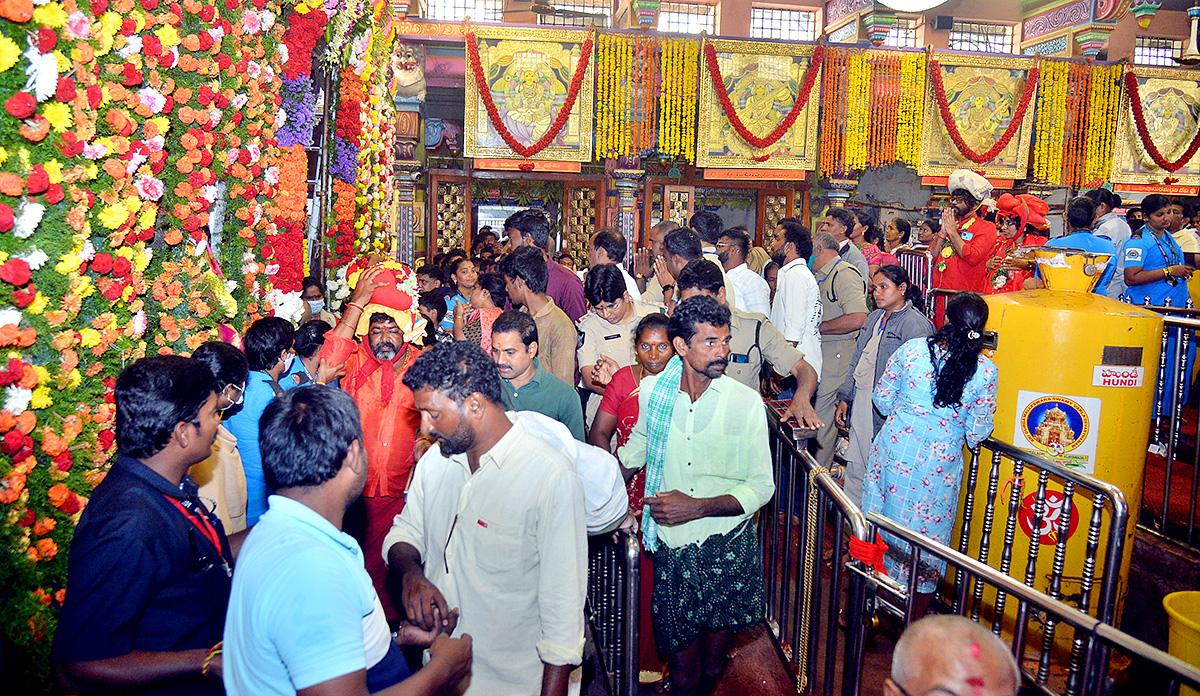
[(718, 81), (1139, 118), (560, 122), (939, 93)]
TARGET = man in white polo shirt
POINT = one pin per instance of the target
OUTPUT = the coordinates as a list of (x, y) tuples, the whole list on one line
[(303, 613)]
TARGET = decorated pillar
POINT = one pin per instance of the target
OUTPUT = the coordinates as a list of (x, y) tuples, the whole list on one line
[(644, 14), (878, 23), (1144, 11), (627, 182), (409, 60)]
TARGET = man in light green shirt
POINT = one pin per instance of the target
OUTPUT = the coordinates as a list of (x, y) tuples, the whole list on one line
[(715, 474)]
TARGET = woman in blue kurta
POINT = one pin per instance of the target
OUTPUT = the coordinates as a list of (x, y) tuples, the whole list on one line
[(936, 392), (1157, 272)]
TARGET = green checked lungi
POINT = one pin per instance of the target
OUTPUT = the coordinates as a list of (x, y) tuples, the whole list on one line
[(713, 585)]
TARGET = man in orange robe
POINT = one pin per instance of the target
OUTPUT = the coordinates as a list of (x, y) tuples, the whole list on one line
[(386, 317), (967, 239)]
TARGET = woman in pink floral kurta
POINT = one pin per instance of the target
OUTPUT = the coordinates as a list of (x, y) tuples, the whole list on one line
[(915, 469)]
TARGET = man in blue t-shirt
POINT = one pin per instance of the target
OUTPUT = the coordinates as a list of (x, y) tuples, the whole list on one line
[(303, 612), (1080, 213)]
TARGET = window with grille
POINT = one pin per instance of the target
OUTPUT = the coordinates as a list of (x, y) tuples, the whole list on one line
[(1149, 50), (789, 25), (456, 10), (592, 7), (687, 18), (985, 38), (903, 33)]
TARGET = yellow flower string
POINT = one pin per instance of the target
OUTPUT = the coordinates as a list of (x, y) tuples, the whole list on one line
[(858, 113)]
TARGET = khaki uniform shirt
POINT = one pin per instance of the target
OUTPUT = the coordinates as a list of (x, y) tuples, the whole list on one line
[(611, 340), (843, 291), (745, 360)]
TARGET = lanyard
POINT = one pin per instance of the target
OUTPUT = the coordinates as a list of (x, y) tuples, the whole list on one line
[(882, 325), (206, 528), (830, 271), (1169, 258)]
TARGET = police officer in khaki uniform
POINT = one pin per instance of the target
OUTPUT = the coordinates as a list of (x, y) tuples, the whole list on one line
[(753, 341), (607, 331), (844, 310)]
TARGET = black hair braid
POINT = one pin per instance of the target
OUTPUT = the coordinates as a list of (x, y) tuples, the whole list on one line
[(954, 349)]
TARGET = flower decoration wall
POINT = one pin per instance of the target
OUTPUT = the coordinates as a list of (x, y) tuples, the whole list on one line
[(137, 157)]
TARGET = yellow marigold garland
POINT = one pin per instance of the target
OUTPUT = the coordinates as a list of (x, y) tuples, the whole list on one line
[(677, 99), (1051, 122), (1102, 130), (858, 116), (911, 111)]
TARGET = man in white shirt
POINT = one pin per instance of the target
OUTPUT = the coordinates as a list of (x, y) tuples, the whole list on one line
[(753, 293), (1115, 229), (608, 247), (493, 540), (796, 310)]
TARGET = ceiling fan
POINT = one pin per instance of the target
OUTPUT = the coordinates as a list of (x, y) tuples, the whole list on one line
[(545, 9)]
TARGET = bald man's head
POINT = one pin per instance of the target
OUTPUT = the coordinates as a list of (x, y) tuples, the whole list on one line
[(951, 656)]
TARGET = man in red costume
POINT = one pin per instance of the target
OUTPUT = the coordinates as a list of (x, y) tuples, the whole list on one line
[(385, 313), (967, 239)]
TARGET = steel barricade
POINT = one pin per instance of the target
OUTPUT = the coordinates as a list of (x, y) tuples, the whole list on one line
[(808, 507), (918, 265), (1094, 640), (1174, 373), (1044, 515), (614, 607)]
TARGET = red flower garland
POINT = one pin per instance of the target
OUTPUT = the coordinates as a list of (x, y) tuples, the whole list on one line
[(718, 81), (939, 93), (564, 113), (1139, 118)]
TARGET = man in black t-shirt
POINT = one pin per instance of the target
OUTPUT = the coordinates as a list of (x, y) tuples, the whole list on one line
[(149, 574)]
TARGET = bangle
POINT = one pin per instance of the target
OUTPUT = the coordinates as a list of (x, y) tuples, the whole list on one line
[(1166, 272), (356, 306), (212, 652)]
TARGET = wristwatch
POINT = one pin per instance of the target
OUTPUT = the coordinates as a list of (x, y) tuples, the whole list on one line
[(668, 287)]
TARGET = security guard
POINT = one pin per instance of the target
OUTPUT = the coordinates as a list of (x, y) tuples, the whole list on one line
[(843, 312), (753, 341), (606, 331)]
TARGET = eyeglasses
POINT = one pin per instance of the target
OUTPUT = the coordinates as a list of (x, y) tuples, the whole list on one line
[(241, 393), (609, 308)]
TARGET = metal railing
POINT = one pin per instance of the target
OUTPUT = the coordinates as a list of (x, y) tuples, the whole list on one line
[(808, 515), (918, 265), (1093, 640), (1051, 513), (614, 607), (1167, 438)]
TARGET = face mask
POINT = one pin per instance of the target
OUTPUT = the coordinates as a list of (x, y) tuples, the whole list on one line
[(287, 362), (315, 306)]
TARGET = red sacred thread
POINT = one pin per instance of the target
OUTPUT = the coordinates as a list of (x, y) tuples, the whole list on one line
[(560, 122), (810, 76), (1139, 118), (939, 93)]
